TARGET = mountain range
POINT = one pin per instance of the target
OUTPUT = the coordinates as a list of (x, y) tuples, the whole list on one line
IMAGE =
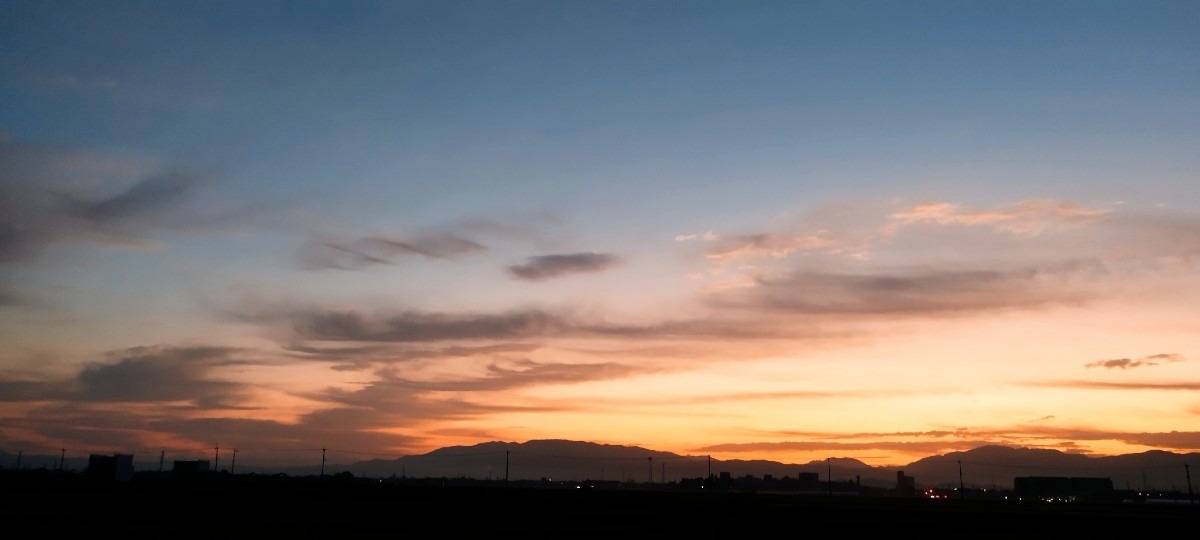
[(985, 467)]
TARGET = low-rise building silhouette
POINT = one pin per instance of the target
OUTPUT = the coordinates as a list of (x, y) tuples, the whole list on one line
[(190, 467), (117, 467), (905, 485)]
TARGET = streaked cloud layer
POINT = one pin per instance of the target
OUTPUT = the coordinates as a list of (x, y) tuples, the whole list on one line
[(767, 231)]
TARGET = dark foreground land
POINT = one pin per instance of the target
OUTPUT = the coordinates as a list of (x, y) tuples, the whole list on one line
[(266, 508)]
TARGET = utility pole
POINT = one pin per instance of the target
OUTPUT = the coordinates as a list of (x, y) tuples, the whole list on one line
[(62, 460), (217, 458), (322, 463), (961, 491), (162, 456), (233, 464), (829, 476), (1188, 473)]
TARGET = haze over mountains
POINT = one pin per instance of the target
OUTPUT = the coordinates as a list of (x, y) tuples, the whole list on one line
[(984, 467)]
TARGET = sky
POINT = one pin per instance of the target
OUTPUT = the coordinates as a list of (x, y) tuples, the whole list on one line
[(748, 230)]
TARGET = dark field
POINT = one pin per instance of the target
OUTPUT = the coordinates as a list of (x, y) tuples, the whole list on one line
[(325, 509)]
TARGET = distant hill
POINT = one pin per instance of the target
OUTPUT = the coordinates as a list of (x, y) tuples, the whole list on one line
[(989, 466), (557, 459), (983, 467)]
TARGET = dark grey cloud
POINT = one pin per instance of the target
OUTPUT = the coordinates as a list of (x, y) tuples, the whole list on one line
[(545, 267), (373, 250), (357, 338), (419, 326), (905, 292), (147, 197), (385, 353), (42, 201), (144, 374), (161, 374), (508, 327), (18, 391)]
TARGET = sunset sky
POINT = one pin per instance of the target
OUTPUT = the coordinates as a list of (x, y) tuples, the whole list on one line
[(753, 230)]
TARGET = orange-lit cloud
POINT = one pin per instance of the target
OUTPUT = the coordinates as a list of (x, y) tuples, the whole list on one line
[(1026, 218)]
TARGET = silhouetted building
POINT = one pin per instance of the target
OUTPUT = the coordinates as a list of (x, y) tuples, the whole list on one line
[(190, 467), (905, 485), (1064, 488), (117, 467), (808, 481)]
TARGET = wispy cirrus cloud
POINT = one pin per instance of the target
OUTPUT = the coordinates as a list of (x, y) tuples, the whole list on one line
[(1132, 386), (61, 196), (764, 246), (1027, 218), (917, 291), (37, 209), (544, 267), (522, 372), (372, 250)]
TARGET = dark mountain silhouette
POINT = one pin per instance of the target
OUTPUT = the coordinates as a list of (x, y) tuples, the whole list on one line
[(981, 468), (985, 467)]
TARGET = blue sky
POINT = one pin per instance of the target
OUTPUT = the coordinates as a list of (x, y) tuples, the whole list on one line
[(496, 205)]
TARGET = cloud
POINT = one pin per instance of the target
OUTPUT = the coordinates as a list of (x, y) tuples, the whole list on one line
[(513, 328), (145, 374), (925, 443), (19, 391), (1126, 363), (545, 267), (412, 326), (372, 250), (1182, 440), (903, 292), (419, 402), (1123, 363), (51, 195), (764, 246), (1025, 218), (1136, 386), (161, 374), (360, 357), (519, 373), (709, 236), (915, 448)]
